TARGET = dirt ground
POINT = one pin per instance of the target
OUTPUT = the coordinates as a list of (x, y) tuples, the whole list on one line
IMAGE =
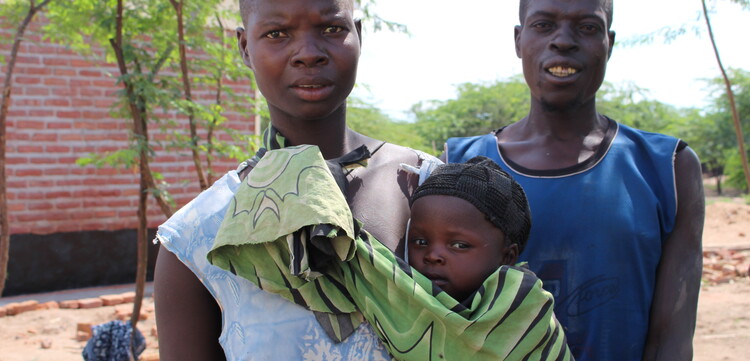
[(723, 331)]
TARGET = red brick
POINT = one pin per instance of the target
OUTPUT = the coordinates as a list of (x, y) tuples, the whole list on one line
[(37, 71), (95, 73), (56, 81), (69, 304), (69, 114), (68, 160), (41, 113), (104, 103), (17, 113), (90, 303), (51, 305), (59, 125), (21, 307), (77, 103), (57, 171), (41, 182), (27, 80), (30, 195), (105, 214), (104, 83), (71, 137), (44, 137), (111, 300), (95, 115), (63, 92), (17, 160), (65, 72), (40, 206), (30, 149), (57, 102), (110, 125), (35, 91), (56, 61), (29, 124), (43, 160), (75, 82), (20, 102), (16, 207), (57, 149), (25, 59), (68, 182), (68, 205), (81, 63), (90, 92)]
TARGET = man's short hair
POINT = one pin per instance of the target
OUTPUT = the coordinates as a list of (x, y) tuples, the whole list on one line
[(608, 10)]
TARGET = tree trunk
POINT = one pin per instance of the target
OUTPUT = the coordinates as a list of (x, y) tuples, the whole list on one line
[(140, 130), (730, 95), (5, 103), (178, 6), (718, 184)]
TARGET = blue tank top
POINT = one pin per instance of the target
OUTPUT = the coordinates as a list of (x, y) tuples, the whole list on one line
[(596, 235)]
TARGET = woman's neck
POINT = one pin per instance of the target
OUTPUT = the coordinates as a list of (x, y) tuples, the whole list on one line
[(330, 133)]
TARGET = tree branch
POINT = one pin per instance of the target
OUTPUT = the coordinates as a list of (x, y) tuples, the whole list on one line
[(730, 95)]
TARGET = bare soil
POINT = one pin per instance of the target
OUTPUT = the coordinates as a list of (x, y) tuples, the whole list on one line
[(722, 333)]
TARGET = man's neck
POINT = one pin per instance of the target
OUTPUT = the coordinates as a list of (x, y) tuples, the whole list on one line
[(553, 139), (573, 124)]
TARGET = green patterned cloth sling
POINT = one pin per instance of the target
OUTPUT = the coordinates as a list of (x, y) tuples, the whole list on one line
[(289, 230)]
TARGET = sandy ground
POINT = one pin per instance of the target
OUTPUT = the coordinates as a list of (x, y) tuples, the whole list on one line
[(723, 331)]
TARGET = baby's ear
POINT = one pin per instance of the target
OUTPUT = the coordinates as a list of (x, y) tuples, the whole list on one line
[(510, 253)]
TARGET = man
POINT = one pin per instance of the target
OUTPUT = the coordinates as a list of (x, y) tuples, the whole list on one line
[(617, 212)]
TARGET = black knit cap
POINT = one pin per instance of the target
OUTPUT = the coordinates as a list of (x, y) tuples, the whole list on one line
[(481, 182)]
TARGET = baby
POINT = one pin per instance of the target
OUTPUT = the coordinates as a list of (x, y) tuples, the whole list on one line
[(467, 220), (289, 231)]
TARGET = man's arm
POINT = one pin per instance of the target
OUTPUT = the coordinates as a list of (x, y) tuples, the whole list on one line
[(673, 309), (187, 317)]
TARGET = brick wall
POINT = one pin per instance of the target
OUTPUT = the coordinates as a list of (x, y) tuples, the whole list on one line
[(60, 111)]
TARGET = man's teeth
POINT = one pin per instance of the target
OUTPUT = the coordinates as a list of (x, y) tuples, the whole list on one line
[(559, 71), (310, 86)]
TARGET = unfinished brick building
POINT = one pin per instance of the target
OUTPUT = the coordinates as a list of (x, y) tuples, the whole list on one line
[(74, 226)]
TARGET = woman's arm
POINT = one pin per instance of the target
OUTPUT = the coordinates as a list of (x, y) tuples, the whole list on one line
[(187, 317)]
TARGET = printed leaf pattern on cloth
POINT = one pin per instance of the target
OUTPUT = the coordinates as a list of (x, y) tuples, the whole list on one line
[(290, 231)]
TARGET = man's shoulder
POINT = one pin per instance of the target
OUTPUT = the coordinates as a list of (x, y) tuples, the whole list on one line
[(461, 149), (630, 131)]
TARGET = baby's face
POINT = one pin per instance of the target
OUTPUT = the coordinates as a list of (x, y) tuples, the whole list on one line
[(453, 244)]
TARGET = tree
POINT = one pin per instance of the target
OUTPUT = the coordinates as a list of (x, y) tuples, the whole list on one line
[(630, 105), (371, 121), (669, 34), (730, 94), (125, 31), (21, 13), (477, 109), (722, 131)]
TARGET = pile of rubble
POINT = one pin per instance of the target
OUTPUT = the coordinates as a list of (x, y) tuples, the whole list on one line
[(724, 265)]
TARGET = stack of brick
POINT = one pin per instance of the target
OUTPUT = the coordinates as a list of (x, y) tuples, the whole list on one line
[(723, 265), (16, 308)]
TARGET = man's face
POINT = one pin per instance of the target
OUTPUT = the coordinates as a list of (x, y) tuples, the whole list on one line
[(564, 46), (304, 54), (453, 244)]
